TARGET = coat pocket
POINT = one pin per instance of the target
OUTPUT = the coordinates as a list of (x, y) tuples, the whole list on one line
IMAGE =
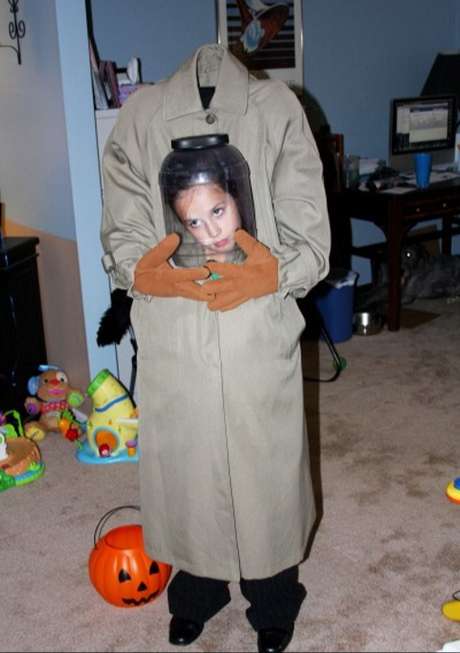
[(155, 325), (292, 325)]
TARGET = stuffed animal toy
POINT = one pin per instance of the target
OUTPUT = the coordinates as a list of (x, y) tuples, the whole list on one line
[(52, 395)]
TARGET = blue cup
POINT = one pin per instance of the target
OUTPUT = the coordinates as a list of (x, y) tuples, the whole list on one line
[(423, 162)]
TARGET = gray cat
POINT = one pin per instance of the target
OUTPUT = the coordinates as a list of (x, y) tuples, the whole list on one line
[(422, 277), (428, 277)]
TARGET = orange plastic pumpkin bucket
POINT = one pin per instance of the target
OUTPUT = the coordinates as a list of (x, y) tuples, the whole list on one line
[(119, 568)]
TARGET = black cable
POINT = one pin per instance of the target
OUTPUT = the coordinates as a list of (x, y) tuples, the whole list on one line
[(339, 362), (132, 381)]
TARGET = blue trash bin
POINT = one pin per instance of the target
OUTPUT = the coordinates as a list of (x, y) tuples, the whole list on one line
[(334, 299)]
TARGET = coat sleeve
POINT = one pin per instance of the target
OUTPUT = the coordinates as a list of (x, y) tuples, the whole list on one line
[(127, 229), (299, 202)]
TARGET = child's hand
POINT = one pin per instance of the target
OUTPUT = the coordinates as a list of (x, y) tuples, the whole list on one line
[(257, 276), (155, 276)]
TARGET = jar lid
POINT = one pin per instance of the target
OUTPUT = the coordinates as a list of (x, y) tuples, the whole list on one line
[(199, 142)]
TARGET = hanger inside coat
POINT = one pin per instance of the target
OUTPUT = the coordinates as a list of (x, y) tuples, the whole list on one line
[(206, 93)]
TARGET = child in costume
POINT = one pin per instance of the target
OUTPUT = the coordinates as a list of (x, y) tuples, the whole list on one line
[(225, 483)]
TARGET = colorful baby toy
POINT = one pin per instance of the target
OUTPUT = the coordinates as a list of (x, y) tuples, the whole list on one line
[(453, 491), (52, 394), (111, 428), (20, 459), (70, 427), (451, 609)]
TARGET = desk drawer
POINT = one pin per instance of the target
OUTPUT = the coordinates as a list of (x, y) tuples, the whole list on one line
[(426, 208)]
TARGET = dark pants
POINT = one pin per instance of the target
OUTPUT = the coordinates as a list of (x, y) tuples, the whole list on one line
[(275, 601)]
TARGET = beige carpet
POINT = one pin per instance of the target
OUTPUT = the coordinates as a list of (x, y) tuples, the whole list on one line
[(385, 441)]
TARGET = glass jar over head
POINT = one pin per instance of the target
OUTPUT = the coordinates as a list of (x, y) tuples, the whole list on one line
[(207, 196)]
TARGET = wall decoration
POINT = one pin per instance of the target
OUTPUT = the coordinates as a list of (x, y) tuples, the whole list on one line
[(266, 36), (16, 29)]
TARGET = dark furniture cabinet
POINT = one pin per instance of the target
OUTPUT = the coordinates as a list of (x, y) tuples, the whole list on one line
[(396, 214), (22, 340)]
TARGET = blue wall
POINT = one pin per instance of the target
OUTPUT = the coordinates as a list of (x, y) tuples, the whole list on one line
[(162, 33), (358, 55)]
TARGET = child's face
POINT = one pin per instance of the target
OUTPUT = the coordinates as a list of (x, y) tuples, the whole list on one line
[(210, 215)]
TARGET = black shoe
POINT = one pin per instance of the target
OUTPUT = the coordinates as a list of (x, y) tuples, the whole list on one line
[(274, 640), (183, 631)]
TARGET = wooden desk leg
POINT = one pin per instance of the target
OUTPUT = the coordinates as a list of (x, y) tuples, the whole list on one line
[(446, 246), (394, 240)]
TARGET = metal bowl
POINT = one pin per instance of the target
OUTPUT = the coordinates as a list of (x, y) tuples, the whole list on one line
[(367, 323)]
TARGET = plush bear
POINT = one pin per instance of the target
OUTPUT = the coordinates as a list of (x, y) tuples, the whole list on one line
[(52, 395)]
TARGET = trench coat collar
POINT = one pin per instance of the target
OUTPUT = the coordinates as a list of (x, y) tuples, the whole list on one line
[(182, 95)]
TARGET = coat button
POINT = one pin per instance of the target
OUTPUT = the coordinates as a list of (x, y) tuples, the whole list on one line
[(211, 118)]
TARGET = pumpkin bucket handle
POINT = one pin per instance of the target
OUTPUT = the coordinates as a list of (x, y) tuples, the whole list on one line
[(104, 519)]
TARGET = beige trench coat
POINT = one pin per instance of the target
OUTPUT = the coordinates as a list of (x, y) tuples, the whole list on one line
[(224, 469)]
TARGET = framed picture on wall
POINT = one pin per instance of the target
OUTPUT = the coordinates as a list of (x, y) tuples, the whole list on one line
[(267, 36)]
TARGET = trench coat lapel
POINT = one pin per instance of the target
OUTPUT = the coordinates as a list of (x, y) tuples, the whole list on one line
[(226, 73)]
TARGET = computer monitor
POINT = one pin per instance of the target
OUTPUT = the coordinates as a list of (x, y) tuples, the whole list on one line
[(422, 124)]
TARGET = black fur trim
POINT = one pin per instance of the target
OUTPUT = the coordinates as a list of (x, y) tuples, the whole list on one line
[(115, 322)]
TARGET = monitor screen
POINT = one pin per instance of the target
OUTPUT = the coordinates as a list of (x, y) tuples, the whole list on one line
[(423, 124)]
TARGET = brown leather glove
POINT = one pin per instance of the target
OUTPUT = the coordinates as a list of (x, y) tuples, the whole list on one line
[(155, 276), (257, 276)]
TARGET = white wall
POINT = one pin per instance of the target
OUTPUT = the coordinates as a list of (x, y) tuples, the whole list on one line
[(84, 173), (34, 169), (35, 177)]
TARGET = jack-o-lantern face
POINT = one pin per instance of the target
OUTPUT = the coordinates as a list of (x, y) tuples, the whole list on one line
[(142, 589), (121, 571)]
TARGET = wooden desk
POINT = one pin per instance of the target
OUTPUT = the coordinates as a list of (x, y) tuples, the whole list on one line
[(396, 214)]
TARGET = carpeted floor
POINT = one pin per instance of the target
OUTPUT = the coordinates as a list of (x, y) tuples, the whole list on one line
[(385, 441)]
